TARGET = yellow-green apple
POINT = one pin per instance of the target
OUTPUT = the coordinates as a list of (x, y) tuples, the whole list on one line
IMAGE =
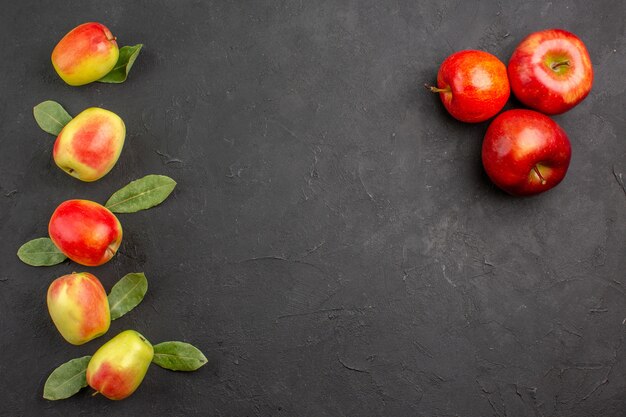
[(90, 144), (473, 85), (119, 366), (79, 307), (550, 71), (86, 54), (85, 231), (525, 152)]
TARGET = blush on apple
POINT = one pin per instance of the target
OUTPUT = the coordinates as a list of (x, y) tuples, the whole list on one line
[(79, 307), (473, 85), (90, 144), (525, 152), (118, 367), (550, 71)]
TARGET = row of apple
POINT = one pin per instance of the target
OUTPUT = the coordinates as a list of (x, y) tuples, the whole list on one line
[(87, 147), (524, 152)]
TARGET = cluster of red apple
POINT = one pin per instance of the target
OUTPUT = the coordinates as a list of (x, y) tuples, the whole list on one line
[(87, 147), (524, 152)]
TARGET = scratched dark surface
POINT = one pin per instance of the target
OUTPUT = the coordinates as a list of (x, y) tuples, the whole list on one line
[(333, 245)]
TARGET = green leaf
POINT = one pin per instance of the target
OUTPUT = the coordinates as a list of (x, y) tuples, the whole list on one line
[(40, 252), (178, 356), (51, 116), (141, 194), (127, 294), (67, 379), (119, 73)]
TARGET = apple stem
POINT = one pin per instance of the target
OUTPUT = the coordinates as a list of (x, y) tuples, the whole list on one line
[(95, 393), (437, 90), (557, 65), (543, 180)]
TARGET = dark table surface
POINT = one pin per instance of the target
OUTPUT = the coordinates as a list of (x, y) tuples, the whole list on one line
[(333, 245)]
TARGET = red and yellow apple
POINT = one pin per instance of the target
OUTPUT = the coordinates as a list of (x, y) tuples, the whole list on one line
[(119, 366), (90, 144), (86, 54), (79, 307), (550, 71), (525, 152), (473, 85), (85, 231)]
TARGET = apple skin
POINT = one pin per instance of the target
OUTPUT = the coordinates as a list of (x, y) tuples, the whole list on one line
[(79, 307), (85, 231), (473, 85), (86, 54), (119, 366), (550, 71), (525, 152), (90, 144)]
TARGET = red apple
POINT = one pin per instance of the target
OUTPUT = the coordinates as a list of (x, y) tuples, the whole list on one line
[(473, 85), (550, 71), (86, 232), (525, 152), (86, 54), (79, 307)]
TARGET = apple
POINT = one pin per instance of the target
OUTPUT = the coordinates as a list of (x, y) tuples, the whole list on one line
[(86, 54), (90, 144), (525, 152), (550, 71), (79, 307), (85, 231), (119, 366), (473, 85)]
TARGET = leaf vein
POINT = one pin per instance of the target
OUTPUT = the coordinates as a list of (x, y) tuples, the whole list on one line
[(179, 356), (125, 295), (69, 379), (36, 253), (58, 121), (137, 195)]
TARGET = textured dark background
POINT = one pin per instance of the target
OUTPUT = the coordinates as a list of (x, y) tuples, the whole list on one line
[(333, 245)]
